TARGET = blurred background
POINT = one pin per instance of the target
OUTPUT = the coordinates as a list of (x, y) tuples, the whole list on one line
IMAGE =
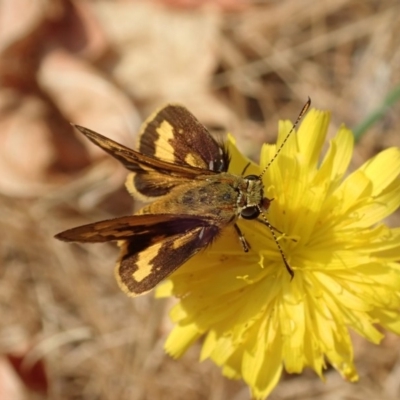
[(66, 330)]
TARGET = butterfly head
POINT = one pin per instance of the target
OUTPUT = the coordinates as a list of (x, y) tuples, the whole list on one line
[(252, 202)]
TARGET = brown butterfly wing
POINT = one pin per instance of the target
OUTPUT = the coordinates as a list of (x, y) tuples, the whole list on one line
[(174, 135), (138, 226), (133, 160), (151, 177), (146, 261), (152, 245)]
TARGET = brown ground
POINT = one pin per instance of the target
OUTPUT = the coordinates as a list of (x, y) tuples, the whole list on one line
[(238, 65)]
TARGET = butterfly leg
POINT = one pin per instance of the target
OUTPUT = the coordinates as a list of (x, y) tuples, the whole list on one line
[(242, 239)]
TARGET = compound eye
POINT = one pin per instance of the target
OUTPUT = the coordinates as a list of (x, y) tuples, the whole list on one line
[(250, 212), (252, 177)]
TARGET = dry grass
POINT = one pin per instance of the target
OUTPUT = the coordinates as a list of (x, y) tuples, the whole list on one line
[(60, 302)]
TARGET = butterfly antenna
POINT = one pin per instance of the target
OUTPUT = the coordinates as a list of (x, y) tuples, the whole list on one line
[(302, 112), (270, 227)]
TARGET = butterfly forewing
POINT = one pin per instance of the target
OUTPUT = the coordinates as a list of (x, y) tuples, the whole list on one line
[(141, 227), (133, 161), (173, 134)]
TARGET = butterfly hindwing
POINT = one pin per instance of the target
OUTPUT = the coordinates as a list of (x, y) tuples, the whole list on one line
[(145, 263), (149, 185)]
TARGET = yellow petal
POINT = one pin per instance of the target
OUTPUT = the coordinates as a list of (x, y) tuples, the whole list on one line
[(383, 169), (180, 339), (311, 136)]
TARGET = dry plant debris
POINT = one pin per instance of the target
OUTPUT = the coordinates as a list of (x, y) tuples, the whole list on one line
[(238, 66)]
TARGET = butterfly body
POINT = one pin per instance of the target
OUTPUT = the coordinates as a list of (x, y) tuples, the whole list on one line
[(232, 193)]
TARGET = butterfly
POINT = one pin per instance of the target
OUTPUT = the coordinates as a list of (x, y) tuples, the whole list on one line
[(182, 171)]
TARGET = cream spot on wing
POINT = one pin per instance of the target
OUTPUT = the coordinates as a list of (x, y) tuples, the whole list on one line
[(144, 267), (191, 160), (163, 149), (182, 240)]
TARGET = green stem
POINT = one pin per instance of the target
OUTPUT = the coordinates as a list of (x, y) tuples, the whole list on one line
[(389, 101)]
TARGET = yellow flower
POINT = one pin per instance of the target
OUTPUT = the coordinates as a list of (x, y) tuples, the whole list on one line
[(255, 320)]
